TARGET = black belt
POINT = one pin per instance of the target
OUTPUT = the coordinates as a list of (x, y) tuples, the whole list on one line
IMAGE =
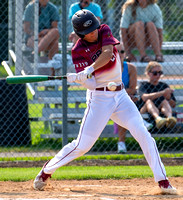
[(118, 88)]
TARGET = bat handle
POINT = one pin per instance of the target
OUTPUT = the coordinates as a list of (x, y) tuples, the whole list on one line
[(89, 76), (64, 77)]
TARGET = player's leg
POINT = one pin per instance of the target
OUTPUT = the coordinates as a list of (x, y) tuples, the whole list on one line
[(99, 109), (167, 111), (138, 31), (50, 38), (154, 40), (128, 116), (151, 108), (97, 114), (53, 48), (121, 141)]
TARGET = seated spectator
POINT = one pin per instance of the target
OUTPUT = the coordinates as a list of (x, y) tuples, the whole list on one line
[(83, 4), (48, 37), (142, 26), (129, 78), (157, 97)]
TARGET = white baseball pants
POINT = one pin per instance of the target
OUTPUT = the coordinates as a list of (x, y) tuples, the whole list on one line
[(101, 106)]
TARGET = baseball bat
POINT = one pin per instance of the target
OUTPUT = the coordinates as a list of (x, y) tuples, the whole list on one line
[(34, 78)]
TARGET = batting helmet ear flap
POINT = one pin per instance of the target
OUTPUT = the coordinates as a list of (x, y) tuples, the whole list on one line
[(84, 22)]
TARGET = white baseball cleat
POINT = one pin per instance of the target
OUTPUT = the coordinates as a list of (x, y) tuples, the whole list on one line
[(166, 187), (41, 179)]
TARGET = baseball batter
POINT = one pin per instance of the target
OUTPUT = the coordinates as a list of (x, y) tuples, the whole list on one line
[(95, 53)]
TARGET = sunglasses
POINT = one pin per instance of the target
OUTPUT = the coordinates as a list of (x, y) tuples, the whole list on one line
[(155, 73), (122, 51)]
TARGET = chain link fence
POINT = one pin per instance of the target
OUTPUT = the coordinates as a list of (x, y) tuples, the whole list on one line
[(44, 116)]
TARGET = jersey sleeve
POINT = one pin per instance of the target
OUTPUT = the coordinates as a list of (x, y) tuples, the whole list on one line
[(126, 18), (27, 13), (79, 61), (107, 37), (54, 13), (73, 9), (158, 19), (98, 11)]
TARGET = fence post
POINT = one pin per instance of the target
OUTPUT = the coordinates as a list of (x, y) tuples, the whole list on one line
[(64, 64), (36, 21), (18, 36), (10, 29)]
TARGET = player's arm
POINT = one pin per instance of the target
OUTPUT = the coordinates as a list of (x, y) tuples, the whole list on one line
[(152, 96), (26, 27), (132, 79), (54, 24), (104, 58), (160, 34)]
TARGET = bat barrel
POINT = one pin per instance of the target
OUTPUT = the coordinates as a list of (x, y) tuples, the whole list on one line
[(26, 79)]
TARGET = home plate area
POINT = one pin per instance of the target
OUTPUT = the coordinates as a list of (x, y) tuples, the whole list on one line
[(128, 189)]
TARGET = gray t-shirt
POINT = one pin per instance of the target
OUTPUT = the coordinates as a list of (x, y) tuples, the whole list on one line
[(152, 13)]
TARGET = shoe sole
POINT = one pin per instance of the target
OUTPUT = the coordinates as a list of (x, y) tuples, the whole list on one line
[(161, 125), (123, 152), (168, 191), (171, 123), (39, 185)]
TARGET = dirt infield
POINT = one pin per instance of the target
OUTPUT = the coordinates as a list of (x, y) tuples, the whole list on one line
[(132, 189)]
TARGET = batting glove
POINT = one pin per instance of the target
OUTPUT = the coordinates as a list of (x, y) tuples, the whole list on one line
[(71, 77), (82, 77), (89, 70)]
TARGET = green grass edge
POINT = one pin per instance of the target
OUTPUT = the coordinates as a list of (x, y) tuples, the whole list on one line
[(93, 157), (88, 172)]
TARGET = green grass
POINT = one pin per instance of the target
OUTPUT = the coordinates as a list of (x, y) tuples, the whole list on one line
[(88, 172), (3, 72), (87, 157)]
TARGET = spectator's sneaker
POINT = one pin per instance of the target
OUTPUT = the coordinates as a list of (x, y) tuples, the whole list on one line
[(171, 122), (160, 122), (147, 125), (166, 188), (121, 147), (41, 179)]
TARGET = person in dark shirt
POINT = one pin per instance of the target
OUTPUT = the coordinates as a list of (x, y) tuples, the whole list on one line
[(157, 97)]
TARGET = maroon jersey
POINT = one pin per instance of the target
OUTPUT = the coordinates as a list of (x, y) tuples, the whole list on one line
[(85, 53)]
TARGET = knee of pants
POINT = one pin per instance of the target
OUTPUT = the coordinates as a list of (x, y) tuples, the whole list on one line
[(138, 130), (79, 148), (81, 151), (83, 148)]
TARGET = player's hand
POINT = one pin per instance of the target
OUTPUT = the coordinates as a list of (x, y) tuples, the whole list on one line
[(89, 70), (85, 74), (167, 93), (71, 77), (82, 77), (130, 57)]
